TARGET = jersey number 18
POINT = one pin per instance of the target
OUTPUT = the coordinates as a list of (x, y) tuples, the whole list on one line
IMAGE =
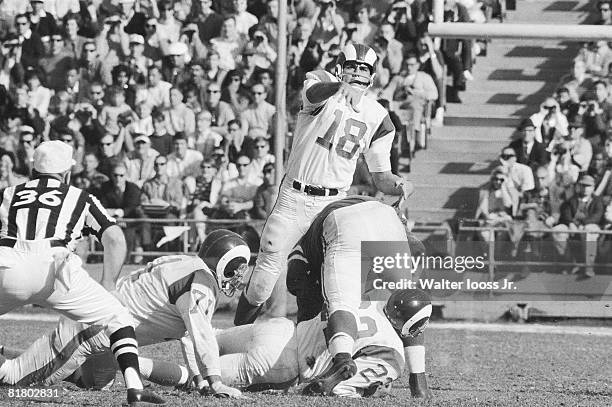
[(327, 140)]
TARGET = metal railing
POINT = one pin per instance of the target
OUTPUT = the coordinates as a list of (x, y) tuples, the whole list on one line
[(257, 225), (491, 243)]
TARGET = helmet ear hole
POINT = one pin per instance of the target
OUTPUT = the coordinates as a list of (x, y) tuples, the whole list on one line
[(232, 266), (419, 326)]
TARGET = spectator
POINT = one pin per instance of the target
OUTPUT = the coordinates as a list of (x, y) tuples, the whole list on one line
[(529, 151), (394, 54), (261, 157), (269, 23), (578, 82), (582, 212), (601, 96), (497, 202), (263, 54), (413, 92), (208, 20), (231, 91), (206, 139), (404, 25), (605, 12), (12, 69), (179, 117), (68, 136), (257, 119), (140, 161), (240, 190), (566, 106), (580, 148), (109, 154), (545, 203), (365, 30), (244, 19), (161, 140), (74, 41), (327, 24), (116, 114), (55, 64), (143, 122), (205, 195), (228, 44), (213, 71), (137, 62), (25, 151), (90, 172), (457, 53), (184, 161), (8, 177), (549, 121), (96, 96), (162, 197), (226, 170), (594, 124), (42, 22), (39, 96), (299, 42), (596, 56), (431, 61), (31, 43), (168, 27), (174, 67), (121, 199), (121, 76), (519, 176), (154, 47), (75, 86), (158, 90), (221, 112), (266, 194), (197, 81)]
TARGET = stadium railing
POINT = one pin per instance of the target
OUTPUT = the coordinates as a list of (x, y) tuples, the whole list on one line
[(491, 247)]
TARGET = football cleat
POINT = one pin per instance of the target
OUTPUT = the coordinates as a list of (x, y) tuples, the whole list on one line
[(351, 56), (343, 368), (227, 255), (408, 311), (144, 398)]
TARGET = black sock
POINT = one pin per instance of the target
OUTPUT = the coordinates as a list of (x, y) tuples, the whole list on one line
[(125, 348)]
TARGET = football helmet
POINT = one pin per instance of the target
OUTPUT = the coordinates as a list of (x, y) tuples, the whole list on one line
[(227, 255), (408, 311), (358, 54)]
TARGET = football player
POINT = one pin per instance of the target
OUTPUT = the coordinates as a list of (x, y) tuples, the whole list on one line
[(170, 296), (337, 122), (275, 354), (325, 268)]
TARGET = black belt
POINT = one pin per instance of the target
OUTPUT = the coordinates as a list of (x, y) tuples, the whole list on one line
[(12, 242), (312, 190)]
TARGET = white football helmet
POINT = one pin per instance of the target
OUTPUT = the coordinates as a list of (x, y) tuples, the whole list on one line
[(358, 54)]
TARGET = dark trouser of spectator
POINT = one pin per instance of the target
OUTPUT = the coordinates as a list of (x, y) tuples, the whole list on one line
[(455, 69)]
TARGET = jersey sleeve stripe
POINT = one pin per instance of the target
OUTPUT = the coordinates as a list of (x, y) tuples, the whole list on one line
[(179, 288), (385, 127), (77, 212), (99, 215)]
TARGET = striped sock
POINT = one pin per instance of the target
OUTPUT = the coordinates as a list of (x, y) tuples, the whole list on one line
[(125, 348)]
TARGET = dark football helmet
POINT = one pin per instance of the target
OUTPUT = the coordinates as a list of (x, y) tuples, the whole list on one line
[(358, 54), (227, 255), (408, 311)]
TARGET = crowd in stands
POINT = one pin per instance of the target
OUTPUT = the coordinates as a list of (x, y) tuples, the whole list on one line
[(169, 104), (556, 175)]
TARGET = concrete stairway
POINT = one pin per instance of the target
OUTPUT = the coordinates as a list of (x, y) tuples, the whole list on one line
[(509, 84)]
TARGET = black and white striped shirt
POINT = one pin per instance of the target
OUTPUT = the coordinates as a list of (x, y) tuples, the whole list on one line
[(45, 208)]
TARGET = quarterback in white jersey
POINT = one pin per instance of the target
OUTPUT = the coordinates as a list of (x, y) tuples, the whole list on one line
[(275, 354), (170, 296), (337, 122)]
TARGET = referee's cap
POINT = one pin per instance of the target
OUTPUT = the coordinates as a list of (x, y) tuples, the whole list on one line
[(53, 157)]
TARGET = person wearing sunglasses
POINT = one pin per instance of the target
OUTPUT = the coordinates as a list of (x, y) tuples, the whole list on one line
[(261, 156), (497, 202), (241, 190), (220, 111), (32, 48), (519, 175), (257, 119), (549, 121)]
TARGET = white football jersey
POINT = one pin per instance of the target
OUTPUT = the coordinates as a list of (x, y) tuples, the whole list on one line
[(376, 337), (151, 295), (329, 137)]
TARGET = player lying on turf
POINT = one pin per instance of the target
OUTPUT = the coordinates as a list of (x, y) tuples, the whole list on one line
[(325, 268), (275, 354), (170, 296)]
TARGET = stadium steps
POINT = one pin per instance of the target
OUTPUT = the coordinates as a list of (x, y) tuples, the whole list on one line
[(510, 83)]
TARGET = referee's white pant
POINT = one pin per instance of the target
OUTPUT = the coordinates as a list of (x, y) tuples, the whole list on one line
[(291, 217), (33, 272)]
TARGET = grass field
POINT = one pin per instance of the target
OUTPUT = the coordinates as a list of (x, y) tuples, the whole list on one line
[(465, 368)]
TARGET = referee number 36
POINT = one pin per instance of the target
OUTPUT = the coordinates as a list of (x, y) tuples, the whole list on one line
[(49, 198)]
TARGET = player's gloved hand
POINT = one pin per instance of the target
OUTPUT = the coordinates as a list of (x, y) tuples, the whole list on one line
[(352, 95), (220, 390), (418, 386)]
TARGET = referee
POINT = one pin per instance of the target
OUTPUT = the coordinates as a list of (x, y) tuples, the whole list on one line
[(40, 220)]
